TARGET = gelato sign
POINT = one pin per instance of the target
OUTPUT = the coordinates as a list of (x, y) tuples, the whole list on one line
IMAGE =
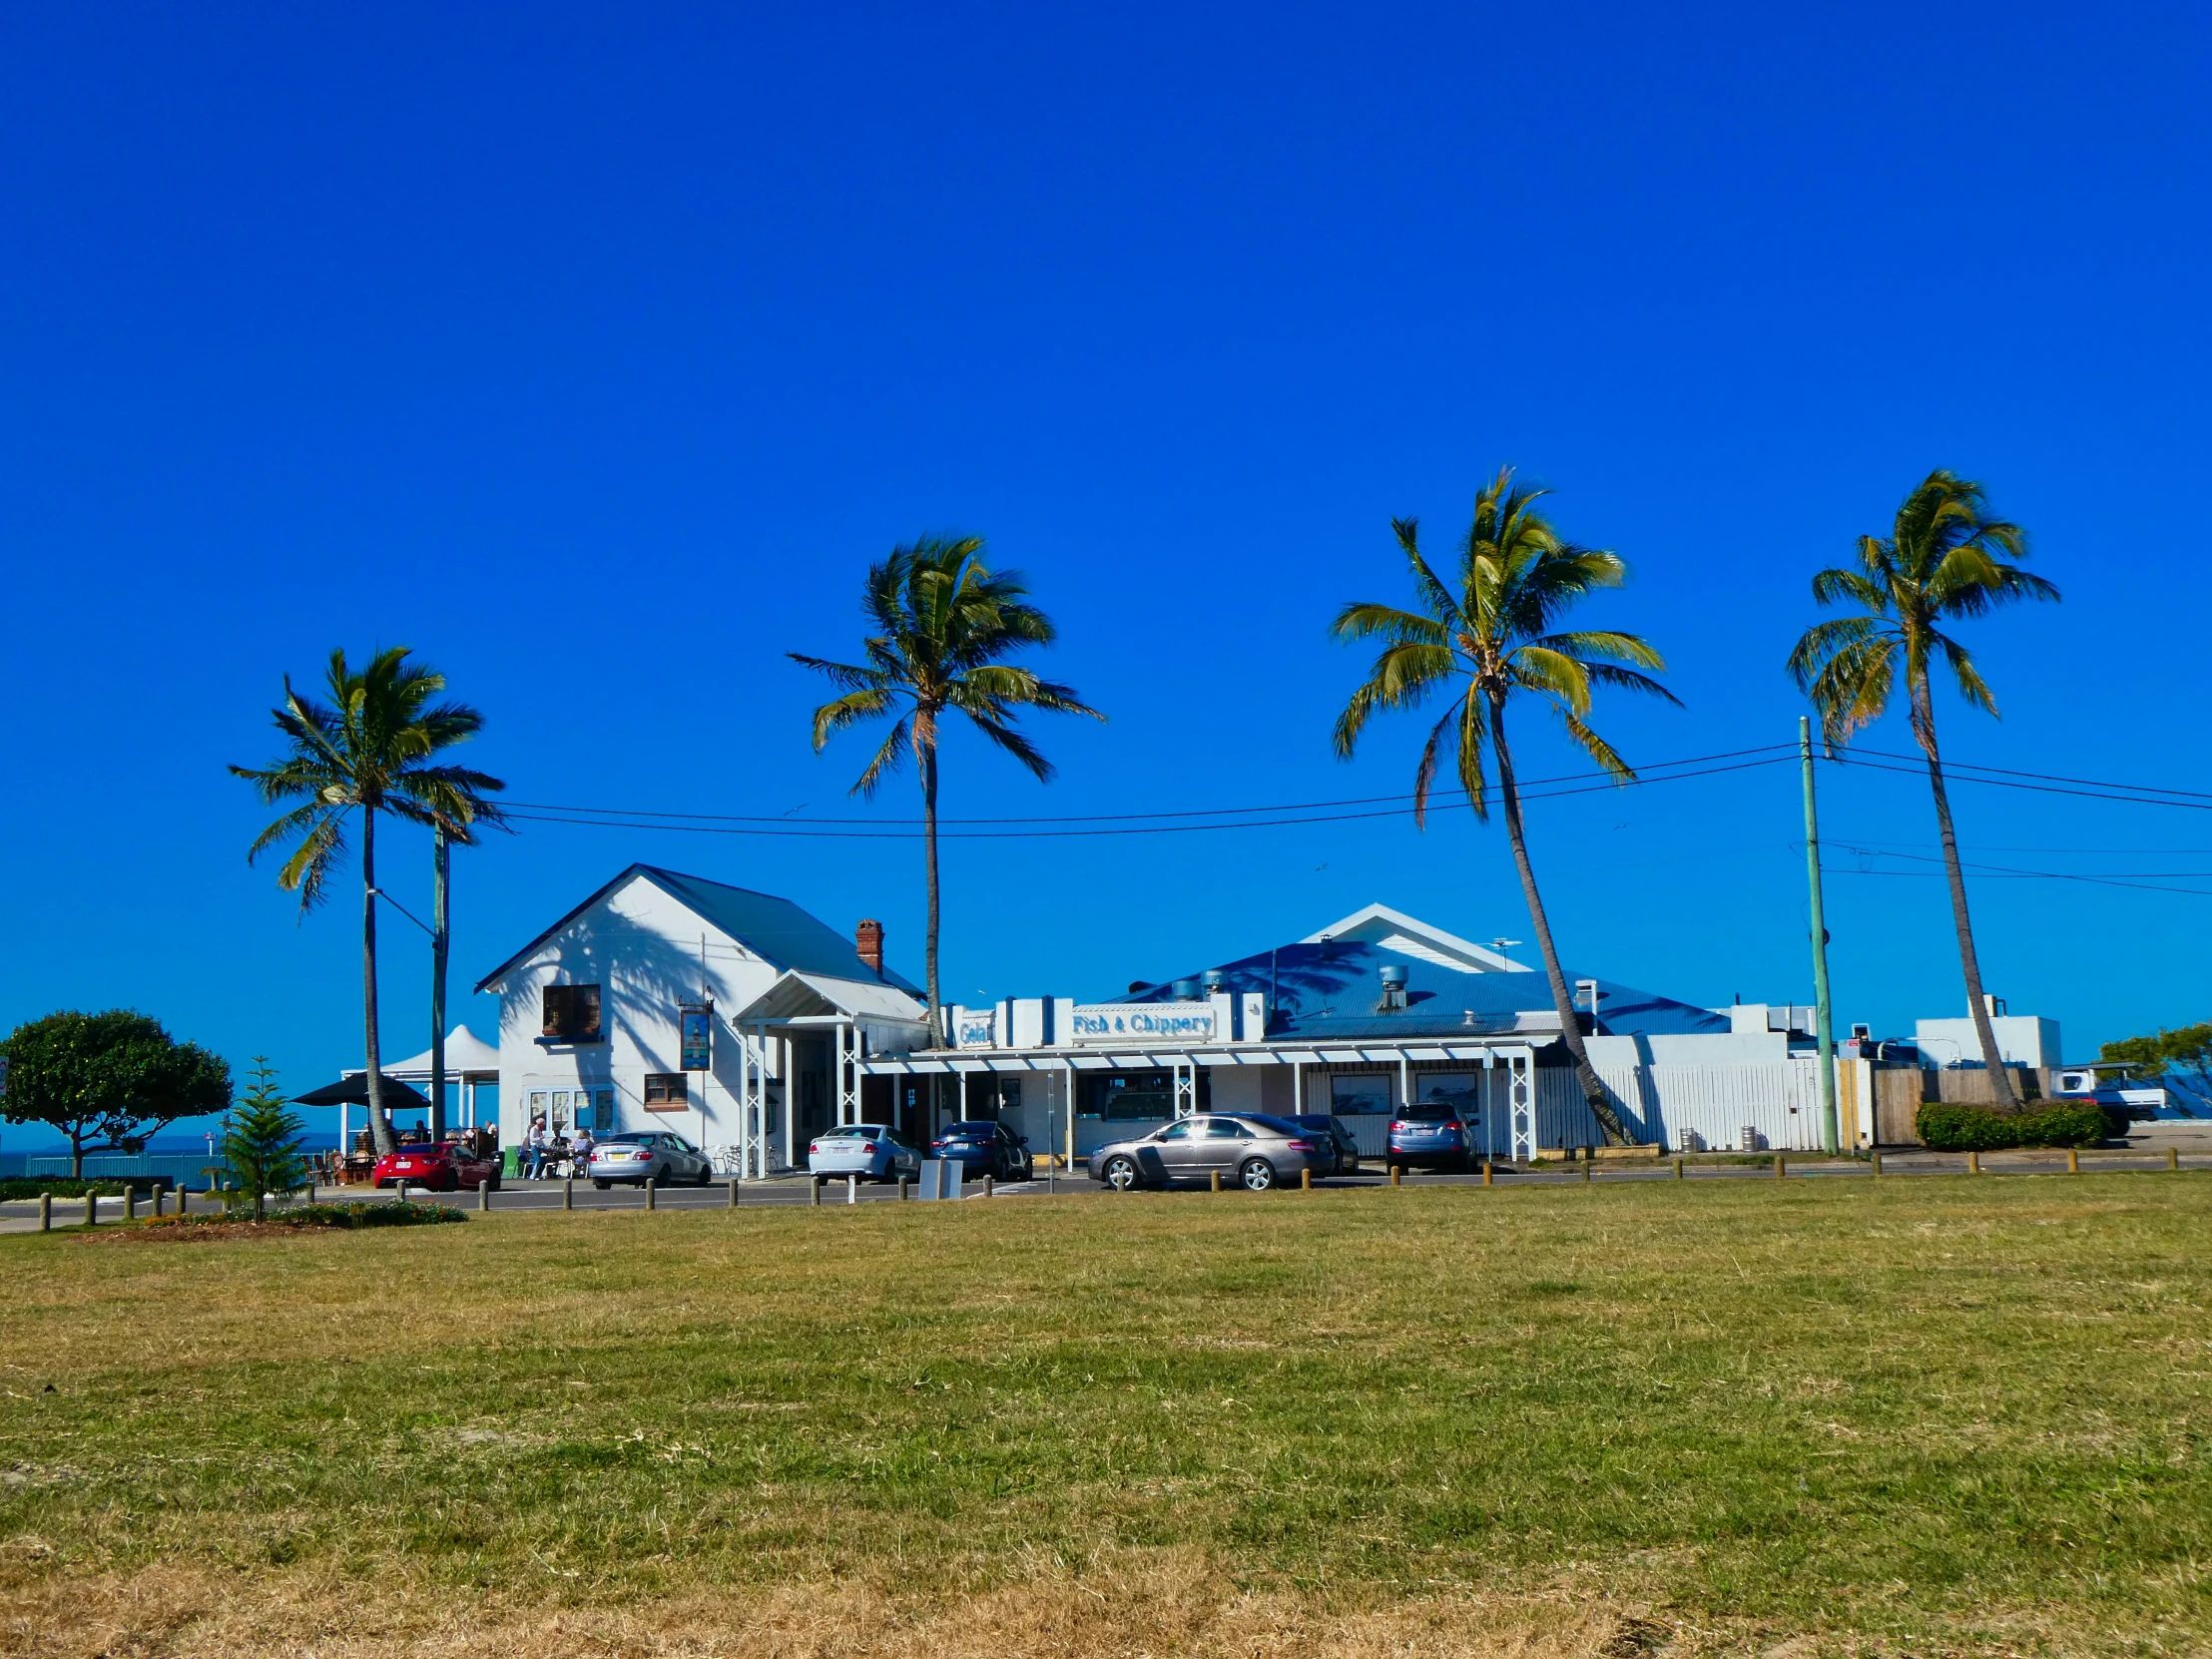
[(1144, 1022)]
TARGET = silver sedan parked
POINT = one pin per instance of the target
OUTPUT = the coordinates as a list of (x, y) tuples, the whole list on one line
[(1255, 1151)]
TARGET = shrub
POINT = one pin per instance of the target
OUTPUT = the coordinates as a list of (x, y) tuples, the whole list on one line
[(349, 1217), (1956, 1128)]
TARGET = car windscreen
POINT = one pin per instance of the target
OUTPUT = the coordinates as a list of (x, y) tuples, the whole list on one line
[(970, 1131), (1322, 1123), (849, 1134), (620, 1140), (1428, 1111)]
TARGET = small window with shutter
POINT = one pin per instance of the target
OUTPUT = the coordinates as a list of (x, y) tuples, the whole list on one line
[(571, 1013)]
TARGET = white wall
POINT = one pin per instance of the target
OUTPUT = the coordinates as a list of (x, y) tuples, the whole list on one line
[(642, 948), (2022, 1040)]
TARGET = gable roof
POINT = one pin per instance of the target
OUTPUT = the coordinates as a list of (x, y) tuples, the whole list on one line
[(1328, 985), (798, 994), (774, 929)]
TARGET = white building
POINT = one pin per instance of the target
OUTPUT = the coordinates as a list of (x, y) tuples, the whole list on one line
[(1374, 1011), (593, 1017), (2023, 1040)]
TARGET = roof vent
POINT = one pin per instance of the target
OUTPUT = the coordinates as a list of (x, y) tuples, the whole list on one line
[(1215, 979), (1186, 990), (1393, 986)]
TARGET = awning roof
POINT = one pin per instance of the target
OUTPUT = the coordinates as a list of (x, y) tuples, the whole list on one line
[(950, 1061), (798, 995), (466, 1054)]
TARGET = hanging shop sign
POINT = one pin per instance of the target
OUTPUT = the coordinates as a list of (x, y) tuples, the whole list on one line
[(1144, 1022), (696, 1022)]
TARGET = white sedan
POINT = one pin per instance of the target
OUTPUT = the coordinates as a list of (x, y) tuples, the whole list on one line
[(863, 1149)]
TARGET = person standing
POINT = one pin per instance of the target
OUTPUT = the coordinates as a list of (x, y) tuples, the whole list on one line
[(537, 1146)]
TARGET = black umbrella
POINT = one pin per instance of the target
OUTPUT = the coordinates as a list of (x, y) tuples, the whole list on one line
[(353, 1090)]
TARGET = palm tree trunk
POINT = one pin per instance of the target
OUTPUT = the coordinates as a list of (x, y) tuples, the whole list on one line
[(1593, 1091), (925, 740), (2001, 1080), (379, 1126)]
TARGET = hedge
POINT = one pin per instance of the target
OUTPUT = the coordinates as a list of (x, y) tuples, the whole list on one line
[(1956, 1128)]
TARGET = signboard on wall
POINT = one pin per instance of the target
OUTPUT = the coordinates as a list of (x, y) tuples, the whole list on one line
[(696, 1027), (975, 1029), (1144, 1022)]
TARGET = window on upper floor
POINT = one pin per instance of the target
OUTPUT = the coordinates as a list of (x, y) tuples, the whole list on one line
[(664, 1091), (571, 1013)]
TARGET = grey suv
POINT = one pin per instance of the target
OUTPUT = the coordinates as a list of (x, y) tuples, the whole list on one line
[(1254, 1151)]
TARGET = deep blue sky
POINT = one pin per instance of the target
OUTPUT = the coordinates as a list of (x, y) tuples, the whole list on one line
[(594, 352)]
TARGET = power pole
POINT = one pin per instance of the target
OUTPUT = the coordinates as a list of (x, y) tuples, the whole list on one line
[(1824, 1025), (441, 861)]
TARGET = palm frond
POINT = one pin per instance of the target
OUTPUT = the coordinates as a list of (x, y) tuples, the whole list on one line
[(1403, 676), (888, 758), (1367, 621)]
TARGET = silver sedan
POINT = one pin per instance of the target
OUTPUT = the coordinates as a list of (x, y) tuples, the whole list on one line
[(1255, 1151)]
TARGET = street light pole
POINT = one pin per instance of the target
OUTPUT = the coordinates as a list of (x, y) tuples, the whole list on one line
[(1824, 1026)]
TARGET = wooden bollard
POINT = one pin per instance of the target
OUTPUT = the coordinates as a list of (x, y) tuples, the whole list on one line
[(851, 1189), (46, 1212), (130, 1204), (1878, 1162), (1677, 1169), (1305, 1179), (1489, 1173), (2173, 1158), (1781, 1170), (986, 1186), (1396, 1172), (1973, 1162), (568, 1193), (1587, 1165), (733, 1194), (92, 1210), (1216, 1180), (814, 1191), (157, 1196), (904, 1193), (652, 1194), (483, 1196), (2074, 1159)]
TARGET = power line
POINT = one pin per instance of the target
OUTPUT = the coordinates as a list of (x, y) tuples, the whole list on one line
[(805, 833), (786, 819)]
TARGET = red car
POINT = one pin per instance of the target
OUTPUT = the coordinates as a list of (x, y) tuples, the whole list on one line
[(445, 1167)]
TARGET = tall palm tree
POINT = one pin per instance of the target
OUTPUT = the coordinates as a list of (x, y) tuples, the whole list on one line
[(1945, 558), (1486, 641), (941, 624), (369, 751)]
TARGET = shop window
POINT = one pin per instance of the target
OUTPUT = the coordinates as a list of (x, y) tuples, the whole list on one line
[(1126, 1095), (571, 1013), (1363, 1094), (666, 1091)]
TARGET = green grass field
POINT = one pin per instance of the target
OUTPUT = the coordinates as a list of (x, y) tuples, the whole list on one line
[(1916, 1417)]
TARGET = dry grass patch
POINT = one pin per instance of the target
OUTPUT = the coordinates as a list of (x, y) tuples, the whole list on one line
[(1915, 1416)]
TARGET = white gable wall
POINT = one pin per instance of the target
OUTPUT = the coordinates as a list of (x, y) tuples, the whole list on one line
[(641, 946)]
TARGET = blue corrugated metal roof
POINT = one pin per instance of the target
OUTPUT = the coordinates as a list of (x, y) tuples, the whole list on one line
[(773, 928), (1334, 989)]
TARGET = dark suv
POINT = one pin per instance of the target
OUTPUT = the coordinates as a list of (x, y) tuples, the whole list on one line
[(985, 1149), (1340, 1135), (1429, 1135)]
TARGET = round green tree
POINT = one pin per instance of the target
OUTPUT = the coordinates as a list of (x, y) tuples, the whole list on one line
[(108, 1082)]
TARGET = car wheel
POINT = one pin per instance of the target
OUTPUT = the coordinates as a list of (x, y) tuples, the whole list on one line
[(1257, 1174), (492, 1181), (1121, 1174)]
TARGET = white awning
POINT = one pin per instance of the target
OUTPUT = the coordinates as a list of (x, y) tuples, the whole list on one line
[(1158, 1059)]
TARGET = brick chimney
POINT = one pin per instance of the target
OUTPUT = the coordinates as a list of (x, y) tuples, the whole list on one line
[(868, 939)]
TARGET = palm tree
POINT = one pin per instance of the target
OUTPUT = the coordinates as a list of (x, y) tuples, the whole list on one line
[(1944, 557), (941, 623), (367, 751), (1486, 642)]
